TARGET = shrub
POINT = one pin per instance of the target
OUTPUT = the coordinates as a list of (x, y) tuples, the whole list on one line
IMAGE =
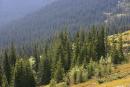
[(78, 75), (53, 83)]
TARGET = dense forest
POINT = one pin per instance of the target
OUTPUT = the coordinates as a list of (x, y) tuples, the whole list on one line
[(66, 58), (51, 18), (66, 43)]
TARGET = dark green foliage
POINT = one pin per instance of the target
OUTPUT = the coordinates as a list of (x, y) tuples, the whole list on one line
[(58, 72), (0, 77), (3, 80), (7, 67), (23, 74), (64, 50), (100, 44), (51, 18), (65, 58), (45, 68), (37, 58), (12, 55)]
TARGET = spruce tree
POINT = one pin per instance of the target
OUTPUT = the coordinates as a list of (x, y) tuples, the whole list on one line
[(121, 54), (3, 80), (37, 58), (65, 49), (7, 67), (23, 74), (12, 55), (0, 76), (59, 72), (45, 70), (100, 44)]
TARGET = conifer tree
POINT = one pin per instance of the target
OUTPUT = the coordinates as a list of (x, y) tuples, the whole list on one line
[(100, 48), (7, 67), (23, 74), (59, 72), (12, 55), (45, 68), (0, 77), (37, 58), (3, 80), (76, 50), (65, 50), (121, 54)]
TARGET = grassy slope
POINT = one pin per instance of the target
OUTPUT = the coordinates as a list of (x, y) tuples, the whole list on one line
[(121, 69), (124, 82)]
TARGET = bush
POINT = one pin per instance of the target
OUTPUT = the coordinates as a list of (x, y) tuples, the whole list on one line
[(53, 83), (78, 75), (101, 80)]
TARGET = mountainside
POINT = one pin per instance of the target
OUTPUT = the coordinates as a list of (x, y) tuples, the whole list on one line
[(53, 17), (121, 16), (14, 9), (120, 75)]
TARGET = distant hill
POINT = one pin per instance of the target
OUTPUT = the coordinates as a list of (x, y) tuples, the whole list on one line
[(14, 9), (53, 17)]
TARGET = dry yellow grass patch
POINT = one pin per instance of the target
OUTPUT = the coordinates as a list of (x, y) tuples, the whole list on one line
[(117, 83), (122, 68), (125, 82), (91, 83)]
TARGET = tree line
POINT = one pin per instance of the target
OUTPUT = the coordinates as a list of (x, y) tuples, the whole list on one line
[(65, 58)]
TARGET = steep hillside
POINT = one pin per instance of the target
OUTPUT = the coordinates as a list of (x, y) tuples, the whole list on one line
[(120, 76), (50, 19), (121, 16), (124, 82), (121, 82)]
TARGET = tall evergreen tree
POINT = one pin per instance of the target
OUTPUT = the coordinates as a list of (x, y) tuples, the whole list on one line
[(3, 80), (45, 68), (59, 72), (12, 55), (23, 74), (37, 58), (7, 67), (121, 54), (0, 77), (100, 48)]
